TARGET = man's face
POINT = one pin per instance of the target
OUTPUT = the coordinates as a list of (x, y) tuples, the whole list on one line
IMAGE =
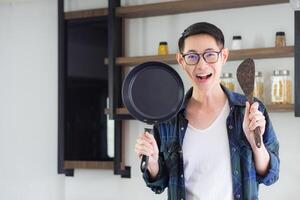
[(205, 75)]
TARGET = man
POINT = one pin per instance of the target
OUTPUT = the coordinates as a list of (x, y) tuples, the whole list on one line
[(208, 150)]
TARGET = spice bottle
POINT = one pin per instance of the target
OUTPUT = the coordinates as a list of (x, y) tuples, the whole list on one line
[(236, 42), (258, 91), (280, 39), (163, 48), (287, 86), (277, 88), (227, 81)]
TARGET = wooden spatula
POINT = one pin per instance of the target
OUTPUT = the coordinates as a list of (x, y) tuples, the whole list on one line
[(245, 75)]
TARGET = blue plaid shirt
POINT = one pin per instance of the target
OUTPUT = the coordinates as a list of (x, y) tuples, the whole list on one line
[(169, 136)]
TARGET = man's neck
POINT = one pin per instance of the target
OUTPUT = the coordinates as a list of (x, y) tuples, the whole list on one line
[(209, 98)]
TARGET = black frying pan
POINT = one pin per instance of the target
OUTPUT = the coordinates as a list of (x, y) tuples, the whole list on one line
[(153, 92)]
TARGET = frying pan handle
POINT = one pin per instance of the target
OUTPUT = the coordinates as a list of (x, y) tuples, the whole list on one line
[(257, 138), (145, 159)]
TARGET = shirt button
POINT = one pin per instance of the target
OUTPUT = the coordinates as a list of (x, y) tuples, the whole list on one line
[(238, 196), (182, 128), (230, 127), (233, 149), (181, 175), (236, 172), (231, 108)]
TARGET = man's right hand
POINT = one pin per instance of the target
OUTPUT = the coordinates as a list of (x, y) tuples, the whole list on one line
[(146, 145)]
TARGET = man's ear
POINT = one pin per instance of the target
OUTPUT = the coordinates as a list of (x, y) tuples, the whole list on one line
[(225, 54), (180, 59)]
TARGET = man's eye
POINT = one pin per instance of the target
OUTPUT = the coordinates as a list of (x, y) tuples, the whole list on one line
[(208, 54), (193, 57)]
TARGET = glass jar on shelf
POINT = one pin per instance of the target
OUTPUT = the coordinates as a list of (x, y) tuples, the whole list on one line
[(280, 39), (227, 81), (163, 48), (287, 86), (258, 91), (276, 88), (236, 42)]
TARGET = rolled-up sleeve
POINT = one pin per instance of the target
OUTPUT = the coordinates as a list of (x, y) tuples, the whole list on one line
[(272, 146), (158, 184)]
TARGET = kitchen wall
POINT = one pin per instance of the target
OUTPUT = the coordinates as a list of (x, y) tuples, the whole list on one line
[(28, 99)]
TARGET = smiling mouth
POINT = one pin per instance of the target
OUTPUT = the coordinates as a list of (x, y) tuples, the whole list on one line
[(203, 76)]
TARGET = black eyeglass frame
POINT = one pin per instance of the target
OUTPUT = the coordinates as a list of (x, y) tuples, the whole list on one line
[(202, 55)]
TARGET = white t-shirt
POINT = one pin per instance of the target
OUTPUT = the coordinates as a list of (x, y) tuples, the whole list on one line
[(206, 157)]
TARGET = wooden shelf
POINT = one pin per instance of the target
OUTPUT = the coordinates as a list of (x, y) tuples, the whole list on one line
[(119, 111), (122, 111), (101, 12), (184, 6), (262, 53), (170, 59), (258, 53), (167, 8), (280, 107), (88, 164), (270, 107)]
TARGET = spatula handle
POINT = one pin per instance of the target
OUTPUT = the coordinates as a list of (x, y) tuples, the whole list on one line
[(257, 131), (257, 137)]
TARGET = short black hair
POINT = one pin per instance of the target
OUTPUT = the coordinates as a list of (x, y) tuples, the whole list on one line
[(201, 28)]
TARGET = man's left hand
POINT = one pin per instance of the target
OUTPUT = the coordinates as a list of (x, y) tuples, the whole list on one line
[(253, 118)]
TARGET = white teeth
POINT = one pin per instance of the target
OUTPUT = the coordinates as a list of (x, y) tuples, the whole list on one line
[(203, 75)]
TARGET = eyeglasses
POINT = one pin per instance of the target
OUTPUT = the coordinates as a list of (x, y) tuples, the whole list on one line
[(209, 57)]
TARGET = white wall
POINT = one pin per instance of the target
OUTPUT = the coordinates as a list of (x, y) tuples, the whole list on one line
[(28, 99)]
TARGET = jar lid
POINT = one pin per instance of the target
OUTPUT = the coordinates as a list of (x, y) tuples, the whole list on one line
[(258, 74), (237, 37), (227, 75), (280, 33), (285, 72), (163, 43), (276, 72)]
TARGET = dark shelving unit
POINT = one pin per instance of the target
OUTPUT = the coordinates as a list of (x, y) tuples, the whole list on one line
[(115, 61)]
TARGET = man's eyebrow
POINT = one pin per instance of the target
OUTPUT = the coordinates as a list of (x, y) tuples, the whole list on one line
[(191, 51), (209, 49), (194, 51)]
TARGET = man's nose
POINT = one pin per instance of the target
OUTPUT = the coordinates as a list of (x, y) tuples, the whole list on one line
[(201, 63)]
